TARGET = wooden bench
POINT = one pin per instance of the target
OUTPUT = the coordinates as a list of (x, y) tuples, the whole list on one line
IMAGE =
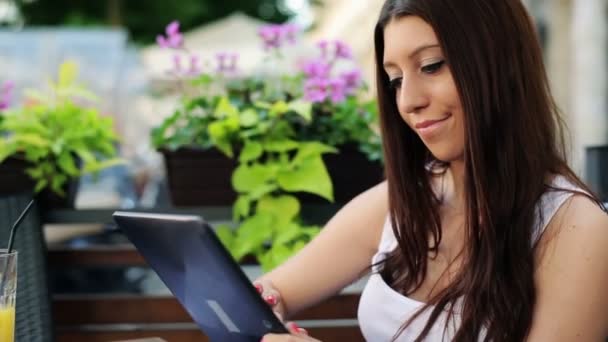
[(112, 317)]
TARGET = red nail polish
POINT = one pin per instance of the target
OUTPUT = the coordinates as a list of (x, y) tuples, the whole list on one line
[(259, 288), (271, 300), (295, 327)]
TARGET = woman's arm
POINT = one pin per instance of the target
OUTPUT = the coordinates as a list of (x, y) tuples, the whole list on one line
[(572, 275), (337, 256)]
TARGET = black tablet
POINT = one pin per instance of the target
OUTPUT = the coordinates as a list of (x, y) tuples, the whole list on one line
[(193, 263)]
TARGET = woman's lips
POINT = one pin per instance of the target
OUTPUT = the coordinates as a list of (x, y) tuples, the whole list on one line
[(427, 128)]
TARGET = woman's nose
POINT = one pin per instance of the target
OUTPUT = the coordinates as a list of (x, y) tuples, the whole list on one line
[(411, 98)]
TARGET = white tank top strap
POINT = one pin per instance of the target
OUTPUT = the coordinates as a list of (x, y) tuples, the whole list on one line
[(550, 202)]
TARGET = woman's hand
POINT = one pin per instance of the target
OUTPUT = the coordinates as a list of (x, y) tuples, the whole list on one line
[(271, 296), (296, 334)]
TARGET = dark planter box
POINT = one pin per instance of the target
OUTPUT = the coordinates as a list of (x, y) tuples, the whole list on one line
[(14, 180), (202, 177)]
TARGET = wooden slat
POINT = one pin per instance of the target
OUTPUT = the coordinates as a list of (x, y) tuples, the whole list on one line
[(112, 255), (106, 309), (105, 334)]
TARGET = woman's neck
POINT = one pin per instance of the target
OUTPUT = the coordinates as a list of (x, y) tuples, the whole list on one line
[(454, 191)]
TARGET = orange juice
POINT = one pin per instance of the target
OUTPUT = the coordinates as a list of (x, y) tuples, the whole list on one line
[(7, 324)]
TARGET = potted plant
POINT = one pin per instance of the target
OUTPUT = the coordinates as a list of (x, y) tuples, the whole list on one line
[(54, 138), (262, 142), (327, 88)]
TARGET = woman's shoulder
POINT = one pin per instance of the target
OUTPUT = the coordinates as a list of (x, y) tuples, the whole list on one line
[(571, 271)]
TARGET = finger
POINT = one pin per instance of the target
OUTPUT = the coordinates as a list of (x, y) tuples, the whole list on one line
[(279, 316), (258, 286), (271, 296), (293, 328)]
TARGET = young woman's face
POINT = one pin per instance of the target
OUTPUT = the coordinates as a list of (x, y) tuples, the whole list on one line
[(423, 86)]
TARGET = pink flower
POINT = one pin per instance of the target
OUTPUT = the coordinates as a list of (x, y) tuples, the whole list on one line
[(337, 90), (352, 80), (5, 94), (177, 63), (343, 50), (173, 39), (317, 69), (316, 90), (195, 68), (274, 36)]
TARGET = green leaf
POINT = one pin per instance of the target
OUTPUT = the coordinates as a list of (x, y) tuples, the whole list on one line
[(251, 151), (284, 208), (31, 139), (226, 235), (67, 74), (93, 167), (311, 149), (277, 255), (241, 207), (67, 164), (302, 108), (249, 118), (247, 178), (309, 176), (225, 109), (41, 184), (252, 234), (278, 108), (288, 234), (263, 189), (283, 145)]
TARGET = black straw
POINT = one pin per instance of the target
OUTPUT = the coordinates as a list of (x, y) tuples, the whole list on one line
[(10, 244), (15, 225)]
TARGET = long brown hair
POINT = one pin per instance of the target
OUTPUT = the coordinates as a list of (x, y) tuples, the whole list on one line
[(514, 143)]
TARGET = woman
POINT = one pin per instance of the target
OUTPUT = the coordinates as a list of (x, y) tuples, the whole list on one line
[(481, 231)]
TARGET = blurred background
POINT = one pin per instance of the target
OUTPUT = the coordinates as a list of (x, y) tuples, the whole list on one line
[(115, 45)]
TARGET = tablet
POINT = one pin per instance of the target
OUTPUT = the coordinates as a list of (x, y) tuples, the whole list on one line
[(193, 263)]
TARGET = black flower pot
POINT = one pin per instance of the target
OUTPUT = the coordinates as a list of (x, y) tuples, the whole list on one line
[(14, 180), (199, 177)]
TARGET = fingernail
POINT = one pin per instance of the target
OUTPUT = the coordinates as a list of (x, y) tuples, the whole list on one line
[(295, 327), (271, 300), (303, 331), (259, 288)]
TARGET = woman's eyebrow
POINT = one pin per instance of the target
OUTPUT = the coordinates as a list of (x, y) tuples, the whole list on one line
[(412, 54), (422, 48)]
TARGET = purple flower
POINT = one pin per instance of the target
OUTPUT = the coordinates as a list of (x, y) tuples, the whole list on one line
[(342, 50), (173, 39), (195, 68), (274, 36), (290, 32), (352, 80), (271, 36), (323, 46), (227, 62), (5, 94), (317, 69), (337, 90), (177, 63), (316, 90), (334, 50)]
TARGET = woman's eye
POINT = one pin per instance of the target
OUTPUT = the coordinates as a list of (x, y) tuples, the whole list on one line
[(432, 68), (395, 83)]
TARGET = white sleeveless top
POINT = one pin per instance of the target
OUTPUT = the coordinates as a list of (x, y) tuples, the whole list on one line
[(382, 310)]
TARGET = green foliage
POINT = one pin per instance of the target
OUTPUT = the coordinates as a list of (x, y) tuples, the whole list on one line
[(59, 138), (278, 135)]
